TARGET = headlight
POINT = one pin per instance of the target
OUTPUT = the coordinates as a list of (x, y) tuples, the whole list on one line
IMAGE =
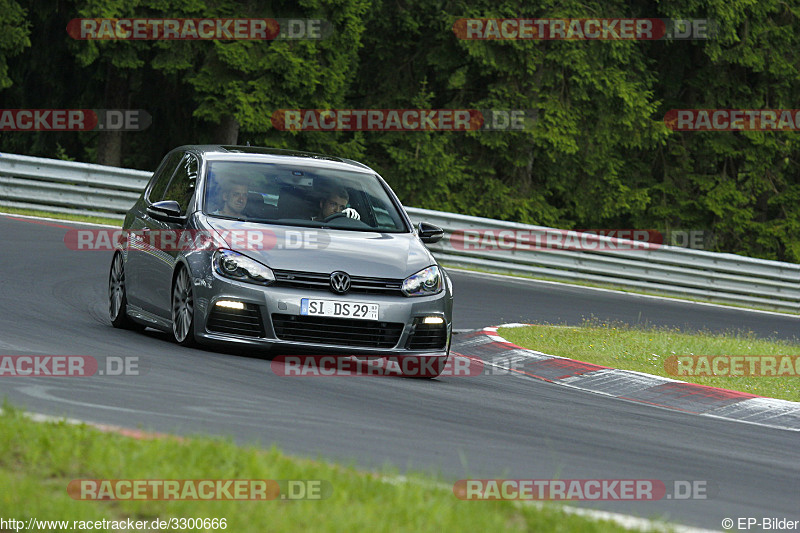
[(234, 265), (424, 283)]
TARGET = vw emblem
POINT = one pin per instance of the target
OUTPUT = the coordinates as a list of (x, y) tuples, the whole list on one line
[(340, 282)]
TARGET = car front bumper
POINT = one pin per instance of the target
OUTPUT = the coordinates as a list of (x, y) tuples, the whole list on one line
[(272, 320)]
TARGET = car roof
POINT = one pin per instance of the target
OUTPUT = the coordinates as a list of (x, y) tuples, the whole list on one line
[(259, 153)]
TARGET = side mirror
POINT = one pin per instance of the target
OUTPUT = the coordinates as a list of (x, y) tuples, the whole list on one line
[(428, 233), (166, 211)]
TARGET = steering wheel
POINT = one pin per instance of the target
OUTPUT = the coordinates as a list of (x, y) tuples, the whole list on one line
[(333, 216)]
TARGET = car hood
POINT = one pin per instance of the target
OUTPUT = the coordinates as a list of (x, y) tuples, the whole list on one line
[(371, 254)]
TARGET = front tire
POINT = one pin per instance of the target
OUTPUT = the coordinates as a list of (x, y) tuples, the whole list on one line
[(117, 296), (183, 309)]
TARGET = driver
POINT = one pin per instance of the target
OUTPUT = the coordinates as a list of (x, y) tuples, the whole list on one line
[(335, 201), (234, 196)]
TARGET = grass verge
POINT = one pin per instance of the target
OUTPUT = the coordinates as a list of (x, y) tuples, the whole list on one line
[(647, 350), (62, 216), (38, 460)]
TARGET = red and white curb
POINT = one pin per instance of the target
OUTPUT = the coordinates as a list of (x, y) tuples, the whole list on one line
[(639, 387)]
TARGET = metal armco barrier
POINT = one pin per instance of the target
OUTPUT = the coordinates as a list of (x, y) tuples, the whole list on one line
[(68, 187), (81, 188)]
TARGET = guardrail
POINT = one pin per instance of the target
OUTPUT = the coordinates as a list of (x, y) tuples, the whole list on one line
[(68, 187)]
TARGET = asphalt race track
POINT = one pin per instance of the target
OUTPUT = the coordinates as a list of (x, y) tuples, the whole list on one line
[(53, 302)]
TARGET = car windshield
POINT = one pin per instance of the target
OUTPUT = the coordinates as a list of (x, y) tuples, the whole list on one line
[(297, 195)]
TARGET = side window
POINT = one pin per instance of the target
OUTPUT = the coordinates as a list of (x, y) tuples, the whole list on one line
[(181, 188), (159, 185)]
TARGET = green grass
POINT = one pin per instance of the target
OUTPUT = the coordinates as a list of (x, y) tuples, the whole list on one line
[(646, 349), (38, 460), (62, 216)]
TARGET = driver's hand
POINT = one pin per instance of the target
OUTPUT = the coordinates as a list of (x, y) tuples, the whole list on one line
[(352, 213)]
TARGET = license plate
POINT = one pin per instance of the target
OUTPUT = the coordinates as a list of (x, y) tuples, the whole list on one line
[(334, 308)]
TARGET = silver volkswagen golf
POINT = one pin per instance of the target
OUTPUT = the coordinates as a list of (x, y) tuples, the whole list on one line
[(281, 249)]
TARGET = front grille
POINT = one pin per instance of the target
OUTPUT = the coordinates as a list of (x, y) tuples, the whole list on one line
[(244, 322), (428, 337), (338, 331), (320, 281)]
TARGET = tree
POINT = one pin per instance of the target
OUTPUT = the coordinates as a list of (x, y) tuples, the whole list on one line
[(14, 37)]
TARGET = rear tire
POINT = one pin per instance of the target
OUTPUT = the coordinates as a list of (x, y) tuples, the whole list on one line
[(118, 298), (183, 309)]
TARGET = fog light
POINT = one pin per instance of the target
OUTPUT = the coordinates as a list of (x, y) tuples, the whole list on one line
[(433, 320), (230, 304)]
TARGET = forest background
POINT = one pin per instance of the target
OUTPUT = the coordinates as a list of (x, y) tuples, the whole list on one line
[(598, 156)]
